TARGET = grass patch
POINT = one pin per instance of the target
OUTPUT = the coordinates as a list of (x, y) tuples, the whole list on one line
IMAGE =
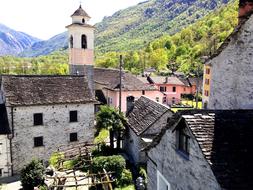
[(130, 187), (102, 136), (189, 103)]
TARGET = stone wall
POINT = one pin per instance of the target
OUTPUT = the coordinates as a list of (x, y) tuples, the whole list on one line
[(133, 144), (193, 173), (55, 130), (5, 159), (232, 72)]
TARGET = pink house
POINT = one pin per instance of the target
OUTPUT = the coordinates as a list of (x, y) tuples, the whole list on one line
[(107, 85), (171, 87)]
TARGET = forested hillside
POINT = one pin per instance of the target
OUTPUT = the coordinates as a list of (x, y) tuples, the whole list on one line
[(130, 28), (183, 50)]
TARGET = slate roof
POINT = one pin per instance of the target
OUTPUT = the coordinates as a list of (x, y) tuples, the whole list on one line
[(169, 80), (44, 90), (80, 12), (225, 138), (110, 78), (80, 24), (4, 125), (144, 114)]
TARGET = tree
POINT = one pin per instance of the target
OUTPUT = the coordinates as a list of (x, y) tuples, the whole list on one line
[(111, 119), (32, 175)]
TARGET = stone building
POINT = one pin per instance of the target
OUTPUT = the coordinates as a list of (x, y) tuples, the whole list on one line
[(45, 113), (145, 121), (228, 76), (200, 149), (5, 161)]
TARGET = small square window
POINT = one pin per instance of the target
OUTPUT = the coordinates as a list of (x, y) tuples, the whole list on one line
[(143, 92), (73, 137), (73, 116), (37, 119), (1, 172), (174, 89), (38, 141)]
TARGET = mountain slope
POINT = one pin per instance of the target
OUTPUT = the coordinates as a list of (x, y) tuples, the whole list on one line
[(55, 43), (128, 29), (13, 42)]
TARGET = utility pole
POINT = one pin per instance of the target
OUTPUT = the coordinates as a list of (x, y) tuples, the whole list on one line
[(120, 82)]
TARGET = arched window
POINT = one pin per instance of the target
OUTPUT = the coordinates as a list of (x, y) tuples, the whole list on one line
[(84, 41), (71, 41), (83, 21)]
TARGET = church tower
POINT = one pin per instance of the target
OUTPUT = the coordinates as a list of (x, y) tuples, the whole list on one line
[(81, 46)]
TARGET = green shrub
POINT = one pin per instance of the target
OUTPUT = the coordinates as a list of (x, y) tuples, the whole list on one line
[(70, 164), (43, 187), (125, 178), (143, 174), (32, 175), (110, 163), (55, 158)]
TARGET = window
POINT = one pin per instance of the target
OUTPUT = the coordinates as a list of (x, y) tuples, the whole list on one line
[(37, 119), (174, 89), (207, 81), (143, 92), (164, 100), (73, 116), (183, 141), (73, 137), (184, 89), (163, 89), (157, 99), (109, 101), (83, 21), (208, 71), (162, 183), (71, 41), (206, 93), (1, 172), (84, 42), (38, 141), (173, 100)]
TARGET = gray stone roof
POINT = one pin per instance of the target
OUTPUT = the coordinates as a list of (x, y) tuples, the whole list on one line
[(166, 80), (111, 77), (225, 138), (144, 114), (43, 90), (80, 12), (4, 124)]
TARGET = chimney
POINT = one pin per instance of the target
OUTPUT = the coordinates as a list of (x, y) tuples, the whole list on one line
[(245, 7)]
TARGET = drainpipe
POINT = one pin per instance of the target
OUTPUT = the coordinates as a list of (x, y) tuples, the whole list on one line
[(12, 136), (120, 82)]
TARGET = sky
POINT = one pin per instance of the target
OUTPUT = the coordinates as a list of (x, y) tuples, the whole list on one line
[(45, 18)]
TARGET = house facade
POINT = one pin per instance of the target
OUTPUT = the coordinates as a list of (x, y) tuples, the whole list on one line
[(172, 87), (108, 81), (231, 67), (200, 150), (145, 121), (45, 113)]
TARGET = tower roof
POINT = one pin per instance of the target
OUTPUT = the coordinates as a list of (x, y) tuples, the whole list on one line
[(80, 12)]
